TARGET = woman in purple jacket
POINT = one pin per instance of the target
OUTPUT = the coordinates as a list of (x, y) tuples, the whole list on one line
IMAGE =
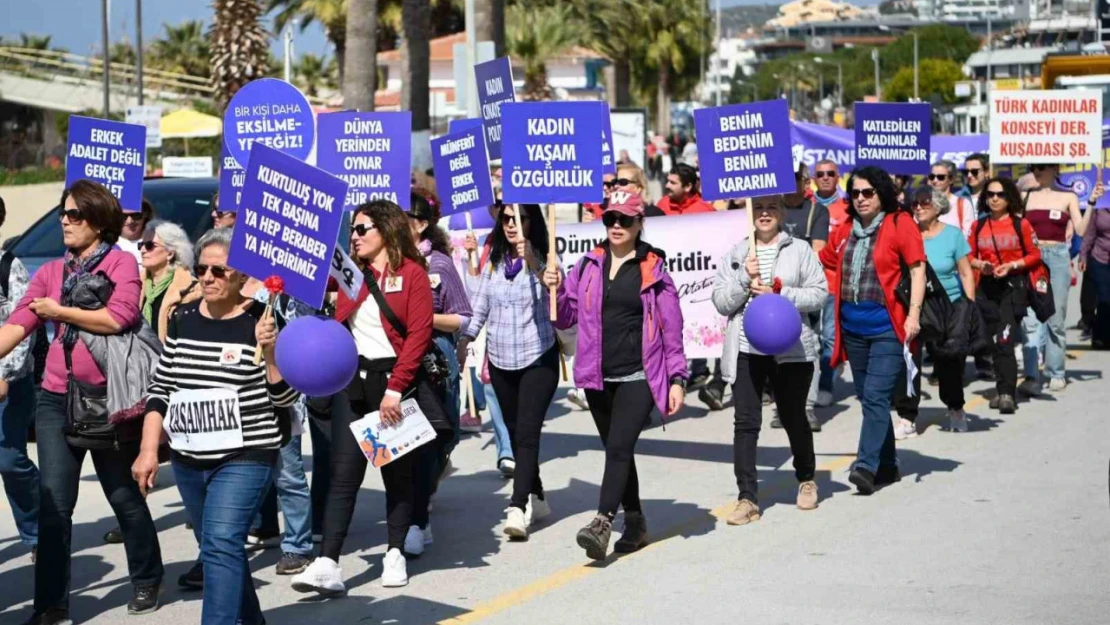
[(629, 360)]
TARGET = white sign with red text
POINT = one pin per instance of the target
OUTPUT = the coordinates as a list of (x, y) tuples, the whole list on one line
[(1053, 127)]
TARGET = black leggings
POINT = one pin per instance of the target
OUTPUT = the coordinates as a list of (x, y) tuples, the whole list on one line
[(790, 382), (524, 395), (950, 378), (348, 468), (996, 302), (621, 410)]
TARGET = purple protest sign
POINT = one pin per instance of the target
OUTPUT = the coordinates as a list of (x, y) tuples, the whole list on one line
[(495, 87), (816, 142), (271, 112), (459, 125), (111, 153), (371, 152), (232, 177), (555, 155), (608, 163), (289, 218), (894, 136), (462, 171), (744, 150)]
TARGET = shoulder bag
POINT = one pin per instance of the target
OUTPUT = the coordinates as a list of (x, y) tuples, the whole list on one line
[(434, 362)]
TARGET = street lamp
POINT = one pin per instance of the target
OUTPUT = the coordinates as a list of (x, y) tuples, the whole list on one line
[(916, 65), (878, 89), (839, 80)]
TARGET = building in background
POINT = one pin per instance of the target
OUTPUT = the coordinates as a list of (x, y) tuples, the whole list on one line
[(793, 14)]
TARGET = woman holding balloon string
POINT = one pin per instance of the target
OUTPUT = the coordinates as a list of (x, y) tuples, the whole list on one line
[(879, 247), (207, 367), (778, 350), (391, 322)]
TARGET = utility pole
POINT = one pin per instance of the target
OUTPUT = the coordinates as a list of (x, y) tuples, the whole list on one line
[(139, 47), (878, 88), (717, 63), (287, 54), (104, 49), (471, 88), (840, 85), (916, 82)]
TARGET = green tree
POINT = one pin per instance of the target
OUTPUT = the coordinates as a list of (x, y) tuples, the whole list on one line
[(312, 73), (330, 14), (34, 42), (936, 41), (937, 77), (675, 32), (416, 62), (122, 52), (239, 46), (599, 19), (182, 49), (534, 34)]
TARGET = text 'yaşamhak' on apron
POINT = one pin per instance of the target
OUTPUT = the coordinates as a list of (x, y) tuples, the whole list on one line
[(204, 420)]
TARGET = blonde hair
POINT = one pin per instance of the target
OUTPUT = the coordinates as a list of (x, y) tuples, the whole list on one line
[(637, 177)]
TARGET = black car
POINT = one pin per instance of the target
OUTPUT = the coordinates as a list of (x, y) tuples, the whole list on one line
[(184, 201)]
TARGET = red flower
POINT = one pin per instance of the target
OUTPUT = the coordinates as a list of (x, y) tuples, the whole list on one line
[(776, 286), (274, 284)]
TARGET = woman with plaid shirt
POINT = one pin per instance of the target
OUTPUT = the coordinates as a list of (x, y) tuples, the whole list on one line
[(512, 303)]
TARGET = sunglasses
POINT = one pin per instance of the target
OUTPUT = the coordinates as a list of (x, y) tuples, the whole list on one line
[(74, 215), (995, 194), (612, 218), (217, 214), (973, 172), (508, 219), (922, 203), (218, 272), (824, 174), (148, 246), (362, 229), (132, 216), (867, 193), (941, 177)]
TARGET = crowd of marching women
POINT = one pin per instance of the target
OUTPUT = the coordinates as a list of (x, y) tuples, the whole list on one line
[(883, 277)]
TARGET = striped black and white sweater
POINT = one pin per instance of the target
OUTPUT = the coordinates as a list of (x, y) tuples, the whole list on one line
[(191, 359)]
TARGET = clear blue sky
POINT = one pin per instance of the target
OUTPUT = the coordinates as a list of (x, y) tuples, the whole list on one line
[(75, 24)]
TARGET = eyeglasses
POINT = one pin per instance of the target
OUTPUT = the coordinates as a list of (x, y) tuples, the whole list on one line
[(1001, 195), (941, 177), (132, 216), (973, 172), (866, 193), (148, 246), (362, 229), (74, 215), (612, 218), (508, 219), (219, 272), (824, 174)]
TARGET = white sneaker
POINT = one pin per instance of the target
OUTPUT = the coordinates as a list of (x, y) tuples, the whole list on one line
[(904, 429), (414, 541), (507, 466), (1057, 384), (515, 524), (536, 510), (395, 571), (957, 420), (323, 576), (577, 397), (824, 399)]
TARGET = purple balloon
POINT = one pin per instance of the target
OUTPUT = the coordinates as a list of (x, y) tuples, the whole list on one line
[(772, 324), (316, 355)]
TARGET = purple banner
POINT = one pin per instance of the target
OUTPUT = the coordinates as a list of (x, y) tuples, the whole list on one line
[(111, 153), (371, 152), (894, 136), (232, 177), (288, 222), (462, 171), (495, 87), (815, 142), (744, 150)]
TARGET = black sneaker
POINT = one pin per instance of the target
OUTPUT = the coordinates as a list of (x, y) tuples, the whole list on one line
[(194, 579), (712, 396), (993, 404), (699, 380), (1006, 404), (634, 536), (34, 554), (50, 617), (144, 600), (292, 563), (863, 479), (814, 423), (114, 536), (262, 539), (594, 538), (887, 475), (985, 375), (776, 422)]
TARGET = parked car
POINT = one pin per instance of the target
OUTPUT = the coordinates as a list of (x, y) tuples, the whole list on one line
[(184, 201)]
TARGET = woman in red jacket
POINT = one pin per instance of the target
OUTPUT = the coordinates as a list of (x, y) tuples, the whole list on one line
[(1002, 259), (866, 255), (389, 368)]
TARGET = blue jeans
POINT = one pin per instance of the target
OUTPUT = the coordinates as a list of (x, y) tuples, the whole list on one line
[(451, 393), (291, 493), (222, 504), (828, 342), (1051, 336), (500, 431), (479, 389), (875, 362), (21, 478)]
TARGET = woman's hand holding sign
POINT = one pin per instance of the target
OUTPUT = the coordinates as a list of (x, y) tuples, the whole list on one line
[(552, 278)]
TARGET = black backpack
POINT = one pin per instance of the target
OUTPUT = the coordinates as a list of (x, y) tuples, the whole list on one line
[(40, 343)]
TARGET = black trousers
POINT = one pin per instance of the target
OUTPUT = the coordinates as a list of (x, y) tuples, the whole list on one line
[(348, 468), (950, 378), (525, 395), (790, 382), (621, 411), (1088, 294), (1003, 317)]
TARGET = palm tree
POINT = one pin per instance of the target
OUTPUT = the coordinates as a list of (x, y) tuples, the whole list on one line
[(416, 25), (330, 14), (535, 34), (359, 70), (240, 46), (313, 73), (489, 23), (182, 49), (122, 52), (674, 37), (602, 18), (34, 42)]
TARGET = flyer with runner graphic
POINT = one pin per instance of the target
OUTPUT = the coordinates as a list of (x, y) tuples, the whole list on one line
[(382, 444)]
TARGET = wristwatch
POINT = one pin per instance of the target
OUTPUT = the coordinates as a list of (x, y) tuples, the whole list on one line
[(679, 381)]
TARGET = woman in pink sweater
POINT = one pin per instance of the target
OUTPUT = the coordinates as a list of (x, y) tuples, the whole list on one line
[(91, 224)]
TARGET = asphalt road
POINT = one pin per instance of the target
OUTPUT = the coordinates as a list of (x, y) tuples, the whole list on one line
[(1008, 523)]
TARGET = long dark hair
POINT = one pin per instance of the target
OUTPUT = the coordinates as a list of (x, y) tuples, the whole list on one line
[(425, 208), (1015, 206), (537, 232), (884, 188), (393, 227)]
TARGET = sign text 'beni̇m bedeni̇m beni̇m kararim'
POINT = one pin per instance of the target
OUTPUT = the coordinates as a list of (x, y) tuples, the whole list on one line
[(744, 150)]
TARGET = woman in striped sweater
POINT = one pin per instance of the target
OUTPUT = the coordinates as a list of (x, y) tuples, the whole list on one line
[(218, 409)]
